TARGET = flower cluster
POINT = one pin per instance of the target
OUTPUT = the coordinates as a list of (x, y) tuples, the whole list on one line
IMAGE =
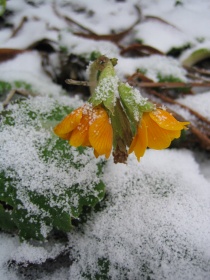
[(118, 118)]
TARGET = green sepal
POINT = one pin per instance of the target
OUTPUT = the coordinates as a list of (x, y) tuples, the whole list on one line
[(107, 72), (103, 74), (134, 104), (121, 127)]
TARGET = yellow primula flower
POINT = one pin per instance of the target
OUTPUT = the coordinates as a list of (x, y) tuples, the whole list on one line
[(156, 130), (87, 126)]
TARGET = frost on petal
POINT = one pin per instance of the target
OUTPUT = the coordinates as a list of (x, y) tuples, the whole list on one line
[(165, 120), (139, 143), (68, 123), (79, 136), (101, 134)]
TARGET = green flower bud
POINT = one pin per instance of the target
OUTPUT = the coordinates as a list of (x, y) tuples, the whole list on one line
[(103, 73)]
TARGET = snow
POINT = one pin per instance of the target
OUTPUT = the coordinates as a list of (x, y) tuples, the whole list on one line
[(157, 212), (153, 66), (187, 23), (36, 254), (84, 47), (198, 103), (164, 37), (20, 69), (113, 15), (29, 34)]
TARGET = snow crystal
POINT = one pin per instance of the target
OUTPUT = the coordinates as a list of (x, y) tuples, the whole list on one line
[(156, 223), (36, 254), (8, 245), (12, 250), (105, 87)]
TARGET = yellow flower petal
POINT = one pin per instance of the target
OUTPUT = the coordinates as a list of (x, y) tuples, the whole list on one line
[(139, 143), (79, 136), (174, 134), (68, 123), (65, 136), (165, 120), (96, 154), (158, 138), (100, 133)]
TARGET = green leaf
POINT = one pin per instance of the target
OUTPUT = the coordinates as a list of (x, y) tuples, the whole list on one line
[(196, 56), (46, 183), (102, 271), (6, 220), (4, 87), (2, 7)]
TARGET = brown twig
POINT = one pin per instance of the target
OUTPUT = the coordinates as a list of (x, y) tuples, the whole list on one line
[(6, 54), (70, 20), (149, 17), (16, 91), (141, 49), (113, 37), (173, 84), (197, 70), (78, 83), (19, 27), (148, 83), (204, 140)]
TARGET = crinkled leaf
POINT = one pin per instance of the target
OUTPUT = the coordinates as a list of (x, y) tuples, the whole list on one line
[(55, 183)]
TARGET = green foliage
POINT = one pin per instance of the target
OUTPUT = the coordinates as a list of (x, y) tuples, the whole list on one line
[(173, 79), (178, 3), (142, 70), (196, 56), (103, 270), (6, 87), (36, 207), (2, 7), (139, 40), (6, 219), (94, 55), (22, 85), (177, 51), (63, 49), (168, 78)]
